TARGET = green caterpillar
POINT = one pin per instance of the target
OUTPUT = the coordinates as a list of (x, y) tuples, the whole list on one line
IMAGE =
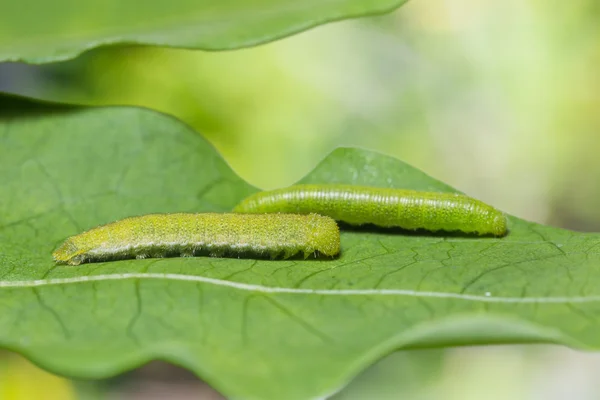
[(161, 235), (357, 205)]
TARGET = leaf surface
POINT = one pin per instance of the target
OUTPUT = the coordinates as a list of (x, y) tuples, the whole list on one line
[(252, 328), (36, 31)]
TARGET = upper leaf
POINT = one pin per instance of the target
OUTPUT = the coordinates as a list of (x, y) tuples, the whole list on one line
[(252, 328), (37, 31)]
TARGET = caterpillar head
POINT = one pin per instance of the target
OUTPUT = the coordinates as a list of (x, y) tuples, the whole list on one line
[(500, 225), (69, 253)]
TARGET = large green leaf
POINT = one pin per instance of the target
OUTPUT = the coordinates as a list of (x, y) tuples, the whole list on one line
[(253, 329), (39, 31)]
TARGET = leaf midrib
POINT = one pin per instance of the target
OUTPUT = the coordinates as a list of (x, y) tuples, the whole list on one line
[(282, 290)]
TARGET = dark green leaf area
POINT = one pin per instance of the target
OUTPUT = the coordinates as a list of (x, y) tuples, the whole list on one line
[(263, 329)]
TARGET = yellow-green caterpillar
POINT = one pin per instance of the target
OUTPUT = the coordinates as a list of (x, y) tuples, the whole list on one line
[(162, 235), (357, 205)]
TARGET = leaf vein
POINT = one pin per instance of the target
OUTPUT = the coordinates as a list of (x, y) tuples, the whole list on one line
[(282, 290)]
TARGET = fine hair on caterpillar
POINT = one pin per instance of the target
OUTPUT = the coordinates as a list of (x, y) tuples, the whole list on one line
[(214, 234)]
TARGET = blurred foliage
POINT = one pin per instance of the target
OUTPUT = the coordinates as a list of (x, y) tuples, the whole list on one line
[(472, 92), (39, 32), (21, 380), (401, 375), (470, 373)]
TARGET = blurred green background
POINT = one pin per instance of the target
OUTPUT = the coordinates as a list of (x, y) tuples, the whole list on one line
[(499, 99)]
